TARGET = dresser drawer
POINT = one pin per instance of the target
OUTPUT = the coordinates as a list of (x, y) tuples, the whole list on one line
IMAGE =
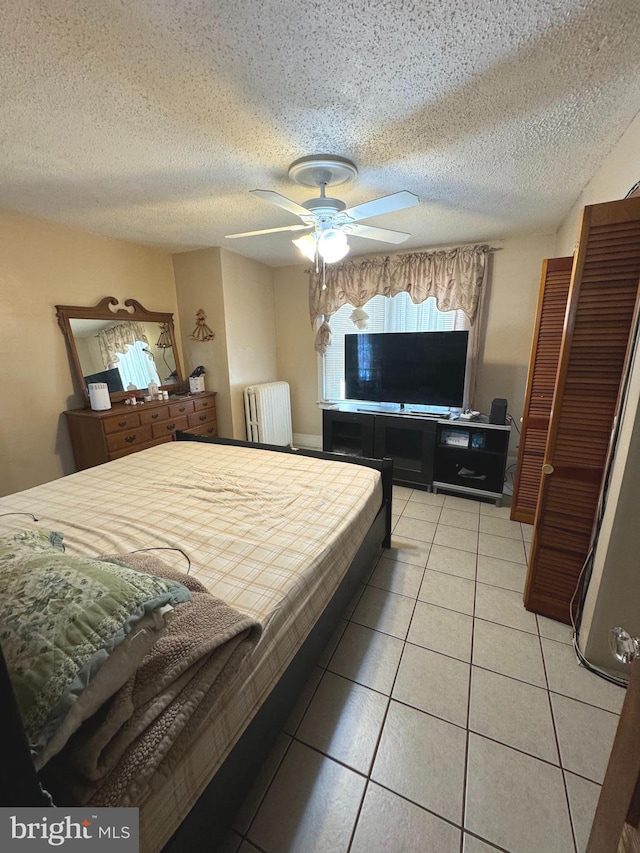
[(183, 408), (97, 437), (200, 418), (120, 422), (169, 427), (129, 438), (205, 403), (209, 429), (118, 454), (153, 416)]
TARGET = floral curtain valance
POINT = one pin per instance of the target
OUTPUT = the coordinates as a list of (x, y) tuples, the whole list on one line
[(453, 276), (117, 339)]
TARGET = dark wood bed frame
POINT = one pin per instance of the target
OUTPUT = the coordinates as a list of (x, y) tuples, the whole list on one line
[(210, 818)]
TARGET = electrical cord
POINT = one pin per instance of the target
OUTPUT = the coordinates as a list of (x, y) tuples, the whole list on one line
[(513, 422), (138, 550), (166, 548), (20, 513), (575, 636)]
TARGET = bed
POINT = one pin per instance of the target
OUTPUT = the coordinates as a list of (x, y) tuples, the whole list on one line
[(283, 536)]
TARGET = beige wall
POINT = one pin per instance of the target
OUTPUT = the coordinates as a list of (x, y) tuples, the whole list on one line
[(250, 319), (199, 285), (297, 359), (613, 597), (237, 295), (613, 180), (42, 265), (509, 310), (508, 314)]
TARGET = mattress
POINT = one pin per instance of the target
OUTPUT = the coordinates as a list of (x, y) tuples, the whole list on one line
[(270, 533)]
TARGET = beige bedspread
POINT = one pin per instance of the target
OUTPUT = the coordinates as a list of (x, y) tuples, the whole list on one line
[(271, 534)]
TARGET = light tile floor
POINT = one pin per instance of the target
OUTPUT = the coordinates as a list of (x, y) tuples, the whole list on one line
[(443, 717)]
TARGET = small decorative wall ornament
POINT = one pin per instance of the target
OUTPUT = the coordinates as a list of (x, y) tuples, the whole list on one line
[(201, 332)]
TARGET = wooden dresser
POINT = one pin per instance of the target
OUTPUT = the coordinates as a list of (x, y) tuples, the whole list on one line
[(98, 437)]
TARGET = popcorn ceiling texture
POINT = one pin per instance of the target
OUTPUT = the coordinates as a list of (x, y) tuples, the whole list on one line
[(149, 120)]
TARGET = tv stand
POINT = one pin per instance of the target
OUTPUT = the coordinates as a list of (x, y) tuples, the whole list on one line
[(428, 451)]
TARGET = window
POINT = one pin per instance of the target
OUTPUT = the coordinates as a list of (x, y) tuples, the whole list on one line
[(395, 314), (137, 366)]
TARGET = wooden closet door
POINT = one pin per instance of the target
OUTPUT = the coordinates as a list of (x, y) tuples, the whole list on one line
[(600, 310), (541, 382)]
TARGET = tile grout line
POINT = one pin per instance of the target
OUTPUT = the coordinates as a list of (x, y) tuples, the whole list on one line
[(441, 817), (467, 734), (445, 720), (405, 642), (245, 836), (479, 666), (450, 657), (292, 736), (557, 740), (386, 712)]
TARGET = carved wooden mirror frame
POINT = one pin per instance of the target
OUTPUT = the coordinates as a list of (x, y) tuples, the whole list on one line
[(132, 310)]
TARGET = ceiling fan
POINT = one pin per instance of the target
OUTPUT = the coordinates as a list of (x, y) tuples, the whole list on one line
[(328, 220)]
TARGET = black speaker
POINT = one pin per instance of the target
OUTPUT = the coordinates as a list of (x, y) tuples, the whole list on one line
[(498, 414)]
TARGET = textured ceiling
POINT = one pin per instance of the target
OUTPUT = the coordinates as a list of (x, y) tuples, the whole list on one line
[(149, 120)]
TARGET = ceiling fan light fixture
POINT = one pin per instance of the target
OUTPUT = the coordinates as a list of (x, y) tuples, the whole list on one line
[(307, 245), (332, 245), (330, 220)]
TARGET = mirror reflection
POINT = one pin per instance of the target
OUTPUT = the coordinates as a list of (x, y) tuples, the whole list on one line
[(126, 354)]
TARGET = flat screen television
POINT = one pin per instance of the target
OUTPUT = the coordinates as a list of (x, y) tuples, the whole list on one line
[(111, 377), (420, 368)]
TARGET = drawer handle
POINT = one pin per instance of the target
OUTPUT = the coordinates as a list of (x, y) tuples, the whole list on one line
[(122, 423), (205, 403), (171, 426), (130, 438), (182, 408), (203, 417), (156, 415), (209, 430)]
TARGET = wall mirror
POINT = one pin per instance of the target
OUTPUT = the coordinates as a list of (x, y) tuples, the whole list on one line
[(127, 347)]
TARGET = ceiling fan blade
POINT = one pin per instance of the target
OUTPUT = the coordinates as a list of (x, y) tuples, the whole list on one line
[(268, 231), (384, 204), (382, 234), (282, 201)]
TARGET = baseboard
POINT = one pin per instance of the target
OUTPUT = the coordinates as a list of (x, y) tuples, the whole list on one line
[(312, 442)]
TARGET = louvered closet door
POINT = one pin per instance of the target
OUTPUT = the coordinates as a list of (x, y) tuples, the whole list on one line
[(543, 366), (602, 297)]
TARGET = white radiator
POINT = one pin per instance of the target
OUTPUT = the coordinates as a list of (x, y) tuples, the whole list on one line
[(267, 410)]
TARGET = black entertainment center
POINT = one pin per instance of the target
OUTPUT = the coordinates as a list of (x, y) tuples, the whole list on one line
[(422, 369), (468, 458)]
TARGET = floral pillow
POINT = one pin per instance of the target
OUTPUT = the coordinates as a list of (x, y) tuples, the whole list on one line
[(62, 617)]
